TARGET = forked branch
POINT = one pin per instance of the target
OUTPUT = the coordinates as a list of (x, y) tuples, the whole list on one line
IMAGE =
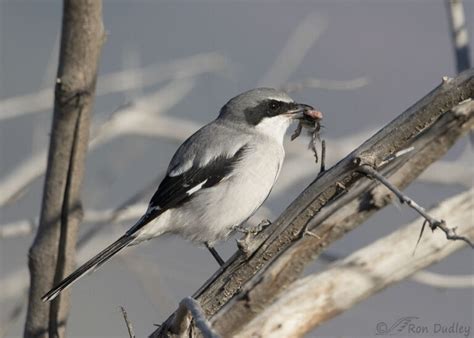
[(433, 222), (333, 204)]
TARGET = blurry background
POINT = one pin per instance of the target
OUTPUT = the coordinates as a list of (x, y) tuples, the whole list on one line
[(166, 69)]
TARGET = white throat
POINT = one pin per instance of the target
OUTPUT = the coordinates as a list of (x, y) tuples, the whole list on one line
[(274, 127)]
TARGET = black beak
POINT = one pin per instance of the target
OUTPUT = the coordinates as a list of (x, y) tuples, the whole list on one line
[(300, 111)]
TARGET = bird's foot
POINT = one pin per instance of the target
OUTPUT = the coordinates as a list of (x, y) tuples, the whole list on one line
[(244, 243), (253, 230)]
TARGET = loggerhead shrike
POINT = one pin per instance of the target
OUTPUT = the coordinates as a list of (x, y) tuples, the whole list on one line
[(217, 179)]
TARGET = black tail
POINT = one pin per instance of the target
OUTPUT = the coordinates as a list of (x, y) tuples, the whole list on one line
[(89, 266)]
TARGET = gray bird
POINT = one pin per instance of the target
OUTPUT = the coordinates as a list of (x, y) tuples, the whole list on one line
[(217, 178)]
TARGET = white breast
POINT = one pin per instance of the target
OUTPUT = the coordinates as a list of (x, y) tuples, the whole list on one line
[(214, 212)]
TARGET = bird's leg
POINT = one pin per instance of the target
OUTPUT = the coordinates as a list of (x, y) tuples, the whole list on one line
[(214, 254)]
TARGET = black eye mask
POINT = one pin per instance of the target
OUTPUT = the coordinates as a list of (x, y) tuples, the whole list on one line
[(267, 108)]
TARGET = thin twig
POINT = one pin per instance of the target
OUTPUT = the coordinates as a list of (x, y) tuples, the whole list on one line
[(323, 157), (312, 300), (248, 284), (121, 81), (18, 228), (433, 222), (131, 334)]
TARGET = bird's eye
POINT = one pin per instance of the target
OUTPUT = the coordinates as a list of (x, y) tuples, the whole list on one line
[(274, 105)]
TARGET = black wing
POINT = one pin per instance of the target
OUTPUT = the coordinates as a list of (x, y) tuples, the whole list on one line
[(174, 191)]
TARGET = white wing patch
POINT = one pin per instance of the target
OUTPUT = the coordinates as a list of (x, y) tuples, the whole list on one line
[(196, 188)]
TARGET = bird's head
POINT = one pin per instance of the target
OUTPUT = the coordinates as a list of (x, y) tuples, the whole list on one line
[(266, 110)]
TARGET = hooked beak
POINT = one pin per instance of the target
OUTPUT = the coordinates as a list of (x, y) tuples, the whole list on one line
[(302, 111)]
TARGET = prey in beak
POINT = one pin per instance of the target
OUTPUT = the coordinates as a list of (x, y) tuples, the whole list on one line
[(304, 112), (310, 119)]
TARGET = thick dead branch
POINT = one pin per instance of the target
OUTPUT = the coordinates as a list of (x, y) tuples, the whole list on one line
[(312, 300), (336, 202), (52, 253), (433, 279)]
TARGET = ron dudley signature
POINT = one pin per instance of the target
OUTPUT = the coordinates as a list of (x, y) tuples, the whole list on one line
[(414, 326)]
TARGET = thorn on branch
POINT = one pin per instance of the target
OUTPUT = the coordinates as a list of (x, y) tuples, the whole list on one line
[(447, 79), (419, 237), (404, 199), (322, 167)]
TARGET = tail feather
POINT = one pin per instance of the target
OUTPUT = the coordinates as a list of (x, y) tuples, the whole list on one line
[(89, 266)]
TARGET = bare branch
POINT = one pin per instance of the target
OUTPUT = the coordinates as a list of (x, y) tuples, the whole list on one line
[(443, 281), (142, 118), (53, 251), (434, 223), (131, 334), (188, 67), (436, 280), (107, 216), (17, 229), (310, 301), (336, 202)]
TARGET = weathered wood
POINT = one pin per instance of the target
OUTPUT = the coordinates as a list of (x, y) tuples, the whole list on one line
[(53, 251), (284, 240), (338, 217), (312, 300)]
